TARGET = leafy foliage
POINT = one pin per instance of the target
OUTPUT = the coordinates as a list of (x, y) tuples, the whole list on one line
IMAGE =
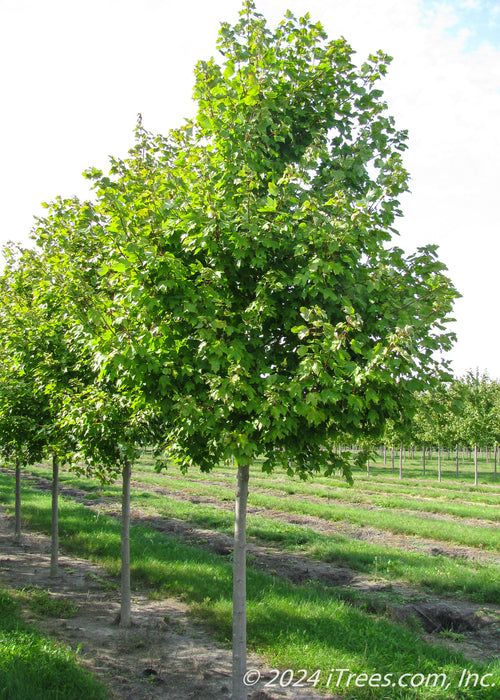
[(237, 274), (38, 368), (464, 411)]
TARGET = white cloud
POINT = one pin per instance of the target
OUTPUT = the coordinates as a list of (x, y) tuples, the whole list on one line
[(471, 4)]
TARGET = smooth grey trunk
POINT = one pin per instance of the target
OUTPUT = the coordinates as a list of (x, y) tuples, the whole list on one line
[(17, 520), (239, 585), (456, 460), (423, 461), (476, 478), (439, 463), (496, 459), (401, 459), (54, 536), (125, 604), (392, 457)]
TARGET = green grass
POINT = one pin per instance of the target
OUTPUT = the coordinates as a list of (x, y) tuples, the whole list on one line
[(295, 626), (399, 496), (44, 604), (478, 581), (379, 511), (274, 489), (33, 666)]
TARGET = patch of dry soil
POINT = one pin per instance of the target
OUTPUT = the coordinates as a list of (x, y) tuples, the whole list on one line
[(163, 655)]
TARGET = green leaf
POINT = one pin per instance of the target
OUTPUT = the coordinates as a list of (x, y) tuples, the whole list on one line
[(229, 71)]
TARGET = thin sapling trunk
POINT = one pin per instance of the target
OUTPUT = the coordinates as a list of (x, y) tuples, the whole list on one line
[(125, 603), (54, 539), (239, 585), (17, 520), (476, 476)]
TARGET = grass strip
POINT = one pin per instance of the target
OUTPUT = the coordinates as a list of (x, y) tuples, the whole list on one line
[(472, 579), (364, 490), (363, 486), (276, 489)]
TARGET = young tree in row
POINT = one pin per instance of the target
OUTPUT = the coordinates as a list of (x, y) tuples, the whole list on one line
[(461, 412), (44, 362), (247, 287), (478, 422), (300, 324), (397, 432), (434, 420), (112, 429), (22, 408), (108, 421)]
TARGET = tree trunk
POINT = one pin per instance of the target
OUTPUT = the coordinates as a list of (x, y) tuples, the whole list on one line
[(401, 459), (54, 538), (439, 463), (17, 521), (385, 455), (125, 605), (423, 461), (392, 457), (496, 459), (239, 585), (476, 480), (456, 461)]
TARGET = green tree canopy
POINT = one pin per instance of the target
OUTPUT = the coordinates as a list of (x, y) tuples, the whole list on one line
[(477, 421), (243, 267), (304, 324)]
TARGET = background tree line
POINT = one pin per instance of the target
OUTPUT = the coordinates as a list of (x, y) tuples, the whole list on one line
[(456, 415)]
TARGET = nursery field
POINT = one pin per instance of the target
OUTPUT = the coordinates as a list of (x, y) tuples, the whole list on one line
[(387, 589)]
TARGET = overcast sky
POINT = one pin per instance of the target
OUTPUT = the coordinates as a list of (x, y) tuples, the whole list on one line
[(74, 76)]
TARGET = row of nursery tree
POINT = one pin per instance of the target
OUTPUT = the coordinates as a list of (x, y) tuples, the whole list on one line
[(458, 414), (231, 290)]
